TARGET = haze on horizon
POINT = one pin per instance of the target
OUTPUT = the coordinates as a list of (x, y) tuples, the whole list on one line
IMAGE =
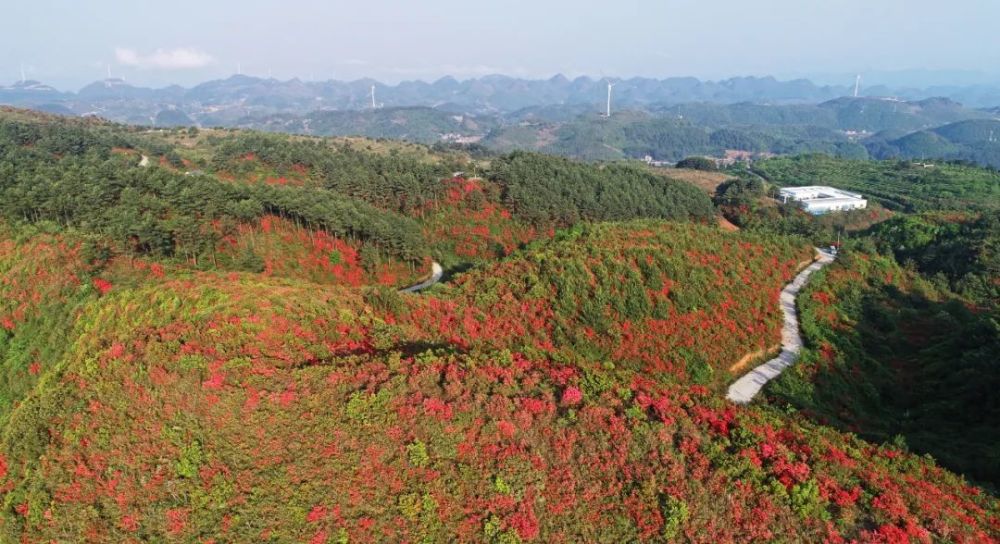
[(917, 42)]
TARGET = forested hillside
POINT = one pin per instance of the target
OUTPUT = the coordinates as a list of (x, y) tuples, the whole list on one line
[(202, 340), (675, 300), (901, 331), (958, 251), (974, 141), (86, 176), (897, 185), (667, 138), (194, 405), (415, 124), (900, 359), (854, 128)]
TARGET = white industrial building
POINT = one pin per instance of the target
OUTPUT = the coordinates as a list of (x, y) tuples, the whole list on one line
[(817, 199)]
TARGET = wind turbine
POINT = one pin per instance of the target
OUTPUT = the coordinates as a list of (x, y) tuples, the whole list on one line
[(23, 79), (375, 105), (857, 85), (608, 111), (239, 68)]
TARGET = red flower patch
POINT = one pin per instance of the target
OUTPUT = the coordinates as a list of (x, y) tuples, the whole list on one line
[(571, 396), (177, 519), (103, 286)]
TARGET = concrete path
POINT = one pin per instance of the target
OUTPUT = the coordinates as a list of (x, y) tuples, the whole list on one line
[(743, 390), (436, 273)]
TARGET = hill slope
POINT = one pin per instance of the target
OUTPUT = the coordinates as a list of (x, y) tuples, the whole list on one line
[(211, 348), (236, 407), (897, 185)]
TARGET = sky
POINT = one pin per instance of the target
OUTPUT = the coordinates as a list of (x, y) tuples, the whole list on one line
[(69, 43)]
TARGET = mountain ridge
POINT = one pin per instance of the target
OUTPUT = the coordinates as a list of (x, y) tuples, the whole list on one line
[(506, 93)]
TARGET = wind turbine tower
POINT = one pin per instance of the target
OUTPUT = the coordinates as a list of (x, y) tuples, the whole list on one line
[(857, 85), (23, 79), (373, 98), (608, 110)]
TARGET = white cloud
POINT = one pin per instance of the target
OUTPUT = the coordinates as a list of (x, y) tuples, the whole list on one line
[(167, 59)]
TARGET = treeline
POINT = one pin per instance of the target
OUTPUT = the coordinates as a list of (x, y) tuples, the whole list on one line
[(552, 190), (414, 124), (86, 176), (58, 138), (869, 114), (973, 141), (393, 180), (71, 178), (959, 253), (632, 135), (670, 140), (542, 190)]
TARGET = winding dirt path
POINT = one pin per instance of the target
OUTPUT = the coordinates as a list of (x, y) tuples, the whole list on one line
[(743, 390), (436, 273)]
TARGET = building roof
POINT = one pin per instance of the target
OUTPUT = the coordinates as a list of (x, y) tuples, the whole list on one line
[(819, 192), (829, 201)]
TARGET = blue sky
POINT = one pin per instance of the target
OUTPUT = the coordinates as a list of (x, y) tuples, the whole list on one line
[(70, 43)]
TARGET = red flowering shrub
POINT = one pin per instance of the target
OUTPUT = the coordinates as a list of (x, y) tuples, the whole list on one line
[(571, 395), (282, 249), (638, 293), (103, 286), (251, 408), (470, 223)]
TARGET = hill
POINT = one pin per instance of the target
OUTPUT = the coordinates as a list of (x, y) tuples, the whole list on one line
[(416, 124), (202, 405), (857, 114), (665, 119), (209, 345), (381, 198), (224, 100), (638, 134), (897, 185), (975, 141), (842, 127), (899, 359)]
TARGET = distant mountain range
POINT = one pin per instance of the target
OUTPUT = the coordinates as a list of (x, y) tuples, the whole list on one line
[(222, 102), (934, 128), (849, 127), (663, 119)]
